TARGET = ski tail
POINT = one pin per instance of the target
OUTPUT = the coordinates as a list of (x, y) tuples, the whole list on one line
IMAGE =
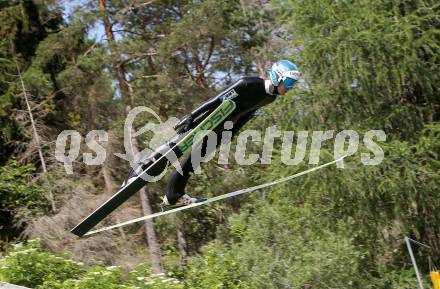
[(108, 207)]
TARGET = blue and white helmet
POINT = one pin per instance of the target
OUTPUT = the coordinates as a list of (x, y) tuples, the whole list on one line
[(285, 71)]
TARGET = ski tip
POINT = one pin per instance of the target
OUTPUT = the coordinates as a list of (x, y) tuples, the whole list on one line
[(77, 231)]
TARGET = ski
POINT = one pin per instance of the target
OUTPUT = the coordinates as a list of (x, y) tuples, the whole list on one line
[(182, 146), (215, 199)]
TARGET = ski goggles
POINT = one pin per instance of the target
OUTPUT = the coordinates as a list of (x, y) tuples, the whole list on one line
[(289, 78)]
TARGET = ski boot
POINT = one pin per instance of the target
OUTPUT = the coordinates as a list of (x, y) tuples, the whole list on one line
[(184, 200)]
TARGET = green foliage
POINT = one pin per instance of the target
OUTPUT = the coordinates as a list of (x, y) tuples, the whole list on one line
[(366, 65), (189, 61), (218, 267), (33, 266), (113, 277), (297, 250), (376, 205), (278, 248), (30, 265), (19, 196), (95, 278), (369, 63), (141, 277), (21, 30)]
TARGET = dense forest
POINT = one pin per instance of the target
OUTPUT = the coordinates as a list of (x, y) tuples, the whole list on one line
[(83, 65)]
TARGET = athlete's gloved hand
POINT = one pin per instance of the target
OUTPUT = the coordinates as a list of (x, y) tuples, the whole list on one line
[(185, 123)]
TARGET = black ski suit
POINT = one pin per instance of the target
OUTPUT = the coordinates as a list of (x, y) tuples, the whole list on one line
[(249, 94)]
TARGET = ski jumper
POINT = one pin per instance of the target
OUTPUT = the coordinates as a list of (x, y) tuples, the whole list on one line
[(249, 94), (236, 104)]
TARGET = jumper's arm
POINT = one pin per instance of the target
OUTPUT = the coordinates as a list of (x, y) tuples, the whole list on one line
[(190, 120)]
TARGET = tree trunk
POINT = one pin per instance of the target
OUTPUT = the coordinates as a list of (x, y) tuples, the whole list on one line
[(110, 184), (153, 244), (182, 245), (150, 233), (110, 188), (37, 140)]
